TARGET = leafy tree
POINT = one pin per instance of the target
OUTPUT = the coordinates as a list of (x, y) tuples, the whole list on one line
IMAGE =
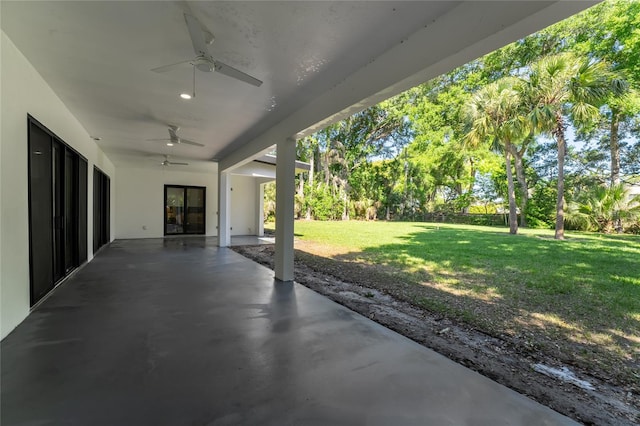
[(436, 111), (620, 108), (541, 209), (377, 131)]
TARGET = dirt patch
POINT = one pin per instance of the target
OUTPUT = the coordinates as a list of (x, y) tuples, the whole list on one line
[(506, 360)]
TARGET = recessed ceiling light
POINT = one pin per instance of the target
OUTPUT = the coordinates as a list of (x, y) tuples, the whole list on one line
[(185, 96), (169, 143)]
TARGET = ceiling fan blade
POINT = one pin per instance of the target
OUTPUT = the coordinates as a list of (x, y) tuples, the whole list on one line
[(230, 71), (158, 140), (188, 142), (170, 67), (197, 35), (171, 163)]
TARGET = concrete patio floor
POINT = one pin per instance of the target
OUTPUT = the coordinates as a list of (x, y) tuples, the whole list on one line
[(180, 332)]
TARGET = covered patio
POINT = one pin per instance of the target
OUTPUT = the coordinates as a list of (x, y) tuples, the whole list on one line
[(157, 329), (182, 332)]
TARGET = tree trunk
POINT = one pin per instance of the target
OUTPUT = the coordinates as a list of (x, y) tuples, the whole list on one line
[(301, 186), (562, 151), (317, 158), (522, 180), (472, 181), (615, 149), (311, 172), (406, 184), (345, 209), (513, 215), (325, 168)]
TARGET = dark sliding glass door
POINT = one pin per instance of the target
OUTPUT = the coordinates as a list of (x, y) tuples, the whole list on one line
[(40, 211), (57, 209), (184, 210), (101, 209)]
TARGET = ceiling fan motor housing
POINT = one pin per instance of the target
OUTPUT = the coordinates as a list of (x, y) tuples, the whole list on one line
[(203, 63)]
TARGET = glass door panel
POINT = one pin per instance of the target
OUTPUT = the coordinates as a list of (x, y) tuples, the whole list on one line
[(70, 213), (82, 210), (174, 210), (58, 211), (195, 211)]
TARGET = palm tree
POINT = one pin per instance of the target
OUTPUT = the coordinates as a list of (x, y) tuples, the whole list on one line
[(497, 116), (560, 87), (607, 209)]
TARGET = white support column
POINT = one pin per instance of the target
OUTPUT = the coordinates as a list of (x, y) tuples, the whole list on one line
[(224, 209), (285, 192), (259, 208)]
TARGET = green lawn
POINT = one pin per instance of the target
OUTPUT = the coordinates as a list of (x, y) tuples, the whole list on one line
[(578, 299)]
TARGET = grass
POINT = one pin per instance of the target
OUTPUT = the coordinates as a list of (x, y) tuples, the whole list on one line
[(577, 299)]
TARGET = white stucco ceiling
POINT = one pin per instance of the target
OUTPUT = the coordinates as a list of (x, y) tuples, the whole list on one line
[(317, 60)]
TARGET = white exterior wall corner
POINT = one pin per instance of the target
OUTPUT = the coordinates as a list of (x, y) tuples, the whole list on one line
[(243, 205), (24, 92)]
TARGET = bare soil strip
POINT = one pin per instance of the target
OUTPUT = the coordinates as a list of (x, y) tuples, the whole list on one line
[(503, 361)]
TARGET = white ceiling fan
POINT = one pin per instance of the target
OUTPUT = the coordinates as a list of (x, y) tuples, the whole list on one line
[(200, 38), (174, 139), (167, 162)]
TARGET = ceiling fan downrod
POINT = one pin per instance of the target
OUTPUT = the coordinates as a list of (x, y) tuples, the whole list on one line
[(193, 95)]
